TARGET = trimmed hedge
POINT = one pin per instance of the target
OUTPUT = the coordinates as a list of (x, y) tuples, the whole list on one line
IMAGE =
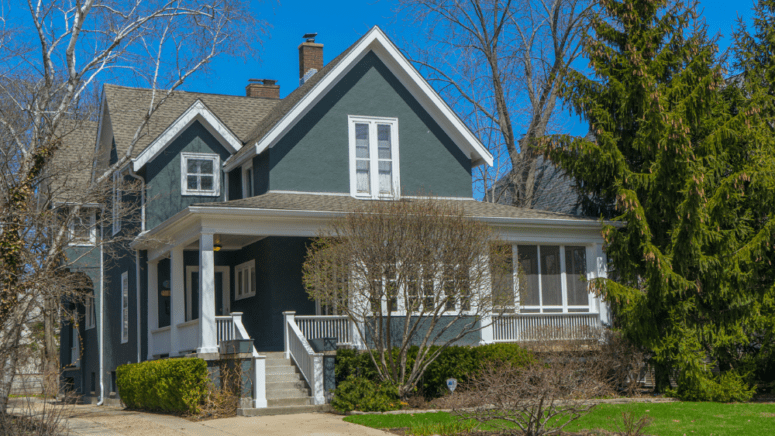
[(460, 362), (359, 393), (168, 385)]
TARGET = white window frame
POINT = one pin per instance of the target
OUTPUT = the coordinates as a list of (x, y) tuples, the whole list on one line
[(239, 290), (125, 307), (226, 291), (92, 230), (352, 120), (248, 185), (89, 315), (216, 191), (565, 308), (116, 202)]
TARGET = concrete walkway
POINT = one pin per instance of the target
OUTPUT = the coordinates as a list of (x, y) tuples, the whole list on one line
[(92, 420)]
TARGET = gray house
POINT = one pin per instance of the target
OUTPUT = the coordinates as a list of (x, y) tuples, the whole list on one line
[(234, 187)]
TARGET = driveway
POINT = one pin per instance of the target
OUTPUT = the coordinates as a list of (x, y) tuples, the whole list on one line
[(108, 421)]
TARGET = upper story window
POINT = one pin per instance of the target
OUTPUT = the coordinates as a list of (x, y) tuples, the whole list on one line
[(89, 315), (83, 230), (247, 181), (374, 171), (200, 174), (116, 202)]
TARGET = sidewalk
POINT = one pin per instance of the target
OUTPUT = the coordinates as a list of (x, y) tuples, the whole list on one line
[(92, 420)]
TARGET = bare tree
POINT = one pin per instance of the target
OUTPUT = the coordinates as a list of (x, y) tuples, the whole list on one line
[(52, 63), (407, 273), (500, 64)]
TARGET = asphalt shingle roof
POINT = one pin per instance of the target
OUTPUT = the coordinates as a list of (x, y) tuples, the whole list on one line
[(70, 169), (345, 203), (128, 106)]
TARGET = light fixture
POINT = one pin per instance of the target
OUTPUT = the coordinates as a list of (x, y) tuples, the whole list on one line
[(216, 247)]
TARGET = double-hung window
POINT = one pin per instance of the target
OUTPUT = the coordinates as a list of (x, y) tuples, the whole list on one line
[(200, 174), (89, 315), (374, 171), (83, 230), (554, 278), (246, 280), (125, 307)]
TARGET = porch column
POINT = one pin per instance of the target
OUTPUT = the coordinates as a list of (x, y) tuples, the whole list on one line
[(177, 299), (208, 343), (486, 333), (153, 304), (602, 272)]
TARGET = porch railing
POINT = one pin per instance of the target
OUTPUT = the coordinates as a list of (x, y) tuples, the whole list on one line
[(546, 326), (328, 326), (161, 341), (188, 335), (310, 364)]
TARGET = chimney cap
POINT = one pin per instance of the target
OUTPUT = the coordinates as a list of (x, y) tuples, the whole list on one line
[(310, 37), (263, 81)]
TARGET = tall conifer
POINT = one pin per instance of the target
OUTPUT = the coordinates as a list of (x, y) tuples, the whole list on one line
[(686, 164)]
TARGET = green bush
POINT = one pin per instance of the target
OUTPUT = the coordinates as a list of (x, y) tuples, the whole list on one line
[(724, 388), (359, 393), (460, 362), (168, 385)]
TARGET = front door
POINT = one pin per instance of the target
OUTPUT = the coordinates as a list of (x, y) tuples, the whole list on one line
[(222, 292)]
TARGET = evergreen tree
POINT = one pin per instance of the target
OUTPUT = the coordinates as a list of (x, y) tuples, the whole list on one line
[(688, 164)]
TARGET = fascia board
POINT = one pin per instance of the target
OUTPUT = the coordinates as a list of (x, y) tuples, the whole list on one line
[(196, 112), (378, 42)]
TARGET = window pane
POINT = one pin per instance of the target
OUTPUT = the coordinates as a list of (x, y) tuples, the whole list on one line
[(239, 283), (249, 182), (362, 176), (528, 261), (551, 288), (207, 183), (428, 290), (193, 166), (362, 141), (575, 272), (502, 277), (385, 177), (192, 182), (252, 287), (383, 141), (206, 166)]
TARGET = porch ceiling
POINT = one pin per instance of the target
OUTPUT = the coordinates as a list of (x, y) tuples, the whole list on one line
[(228, 242)]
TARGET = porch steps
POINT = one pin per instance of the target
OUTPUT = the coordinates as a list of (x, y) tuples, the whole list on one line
[(285, 386)]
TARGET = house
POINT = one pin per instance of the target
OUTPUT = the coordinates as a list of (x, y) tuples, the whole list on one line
[(234, 187)]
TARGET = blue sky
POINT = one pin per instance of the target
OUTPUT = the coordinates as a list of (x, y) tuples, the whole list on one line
[(340, 23)]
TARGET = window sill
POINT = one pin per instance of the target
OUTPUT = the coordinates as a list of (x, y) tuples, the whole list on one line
[(200, 194), (243, 297)]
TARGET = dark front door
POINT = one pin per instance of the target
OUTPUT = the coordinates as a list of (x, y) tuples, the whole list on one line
[(195, 294)]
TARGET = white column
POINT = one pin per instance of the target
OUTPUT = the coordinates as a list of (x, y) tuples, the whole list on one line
[(318, 391), (153, 303), (602, 272), (287, 317), (208, 342), (178, 291), (486, 334), (259, 381)]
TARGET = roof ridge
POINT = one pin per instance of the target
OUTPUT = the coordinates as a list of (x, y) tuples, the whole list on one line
[(137, 88)]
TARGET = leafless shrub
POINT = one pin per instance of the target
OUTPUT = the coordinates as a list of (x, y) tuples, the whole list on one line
[(37, 416), (633, 426), (544, 396), (223, 395)]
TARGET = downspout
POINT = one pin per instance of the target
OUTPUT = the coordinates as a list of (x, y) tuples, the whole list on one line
[(137, 255), (101, 332)]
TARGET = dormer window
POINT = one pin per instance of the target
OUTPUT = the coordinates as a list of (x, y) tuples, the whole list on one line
[(374, 157), (200, 174)]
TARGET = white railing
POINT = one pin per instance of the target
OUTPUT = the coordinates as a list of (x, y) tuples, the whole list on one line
[(225, 328), (310, 364), (161, 341), (188, 335), (546, 326), (328, 326)]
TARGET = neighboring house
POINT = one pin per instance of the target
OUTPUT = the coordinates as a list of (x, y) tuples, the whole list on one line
[(235, 187)]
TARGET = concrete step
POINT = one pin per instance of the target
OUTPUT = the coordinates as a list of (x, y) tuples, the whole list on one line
[(290, 384), (287, 393), (280, 370), (284, 378), (277, 362), (280, 402), (287, 410), (273, 354)]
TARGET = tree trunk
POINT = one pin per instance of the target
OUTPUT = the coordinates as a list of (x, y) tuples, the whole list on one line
[(50, 349)]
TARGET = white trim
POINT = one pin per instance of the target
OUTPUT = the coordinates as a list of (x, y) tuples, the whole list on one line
[(92, 230), (125, 307), (196, 112), (246, 266), (225, 291), (375, 40), (374, 159), (216, 159), (245, 185)]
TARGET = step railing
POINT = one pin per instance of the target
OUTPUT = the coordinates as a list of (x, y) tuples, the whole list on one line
[(229, 328), (310, 364), (326, 326), (518, 327)]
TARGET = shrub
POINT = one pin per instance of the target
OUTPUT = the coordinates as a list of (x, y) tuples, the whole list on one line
[(724, 388), (168, 385), (459, 362), (359, 393)]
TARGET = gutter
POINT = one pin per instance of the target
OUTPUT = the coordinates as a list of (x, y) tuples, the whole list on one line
[(137, 291), (101, 332)]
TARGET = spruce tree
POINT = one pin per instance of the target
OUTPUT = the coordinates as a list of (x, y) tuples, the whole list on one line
[(687, 165)]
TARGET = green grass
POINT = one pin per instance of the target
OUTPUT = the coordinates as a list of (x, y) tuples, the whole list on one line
[(669, 419)]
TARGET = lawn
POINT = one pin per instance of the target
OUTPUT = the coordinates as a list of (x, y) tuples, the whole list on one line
[(669, 419)]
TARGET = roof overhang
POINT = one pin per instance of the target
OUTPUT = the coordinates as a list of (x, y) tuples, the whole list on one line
[(198, 111), (376, 41)]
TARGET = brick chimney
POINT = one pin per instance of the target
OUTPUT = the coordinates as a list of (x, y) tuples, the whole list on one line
[(263, 88), (310, 57)]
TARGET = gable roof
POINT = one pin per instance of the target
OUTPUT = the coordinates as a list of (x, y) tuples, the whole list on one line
[(291, 109), (127, 107), (69, 171)]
